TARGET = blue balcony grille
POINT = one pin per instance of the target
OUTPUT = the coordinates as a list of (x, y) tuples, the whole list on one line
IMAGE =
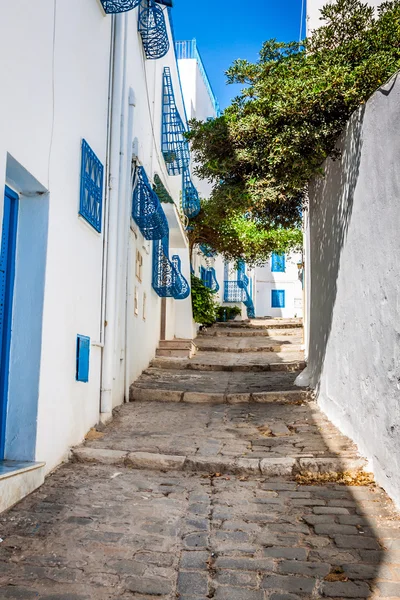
[(278, 263), (190, 197), (175, 147), (233, 293), (112, 7), (207, 250), (181, 286), (153, 29), (188, 49), (147, 211), (168, 281), (91, 192)]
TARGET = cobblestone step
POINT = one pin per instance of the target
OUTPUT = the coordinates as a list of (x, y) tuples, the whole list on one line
[(247, 332), (139, 393), (271, 467), (204, 364), (264, 324)]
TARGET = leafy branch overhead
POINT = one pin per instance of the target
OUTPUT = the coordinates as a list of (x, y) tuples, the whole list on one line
[(264, 149)]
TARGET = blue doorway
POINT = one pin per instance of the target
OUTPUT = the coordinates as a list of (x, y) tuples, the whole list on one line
[(7, 271)]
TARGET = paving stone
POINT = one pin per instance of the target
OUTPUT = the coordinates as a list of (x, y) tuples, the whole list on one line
[(353, 541), (237, 578), (288, 583), (233, 593), (194, 560), (152, 586), (284, 597), (309, 569), (334, 529), (345, 589), (289, 553), (388, 589), (244, 564), (193, 583), (16, 593)]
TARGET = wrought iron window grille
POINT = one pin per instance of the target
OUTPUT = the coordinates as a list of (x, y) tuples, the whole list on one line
[(209, 278), (238, 291), (147, 211), (112, 7), (168, 281), (91, 191), (153, 29), (278, 263), (175, 147), (190, 196)]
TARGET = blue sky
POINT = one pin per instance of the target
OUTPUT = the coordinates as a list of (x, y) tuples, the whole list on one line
[(231, 29)]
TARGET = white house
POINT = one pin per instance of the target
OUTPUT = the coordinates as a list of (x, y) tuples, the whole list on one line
[(95, 268), (279, 289)]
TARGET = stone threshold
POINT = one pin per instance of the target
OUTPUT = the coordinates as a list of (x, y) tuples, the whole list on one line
[(176, 364), (17, 480), (282, 348), (270, 467), (143, 394)]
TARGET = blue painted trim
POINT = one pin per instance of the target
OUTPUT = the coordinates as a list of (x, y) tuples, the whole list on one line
[(82, 358), (10, 221), (91, 189)]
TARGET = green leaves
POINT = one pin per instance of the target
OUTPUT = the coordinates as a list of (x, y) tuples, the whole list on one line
[(203, 303), (262, 152)]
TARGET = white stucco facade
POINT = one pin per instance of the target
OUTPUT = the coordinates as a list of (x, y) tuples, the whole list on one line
[(71, 279), (269, 281)]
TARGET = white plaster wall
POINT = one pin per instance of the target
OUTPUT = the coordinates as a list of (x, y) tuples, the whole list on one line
[(266, 280), (47, 107), (313, 12), (354, 349)]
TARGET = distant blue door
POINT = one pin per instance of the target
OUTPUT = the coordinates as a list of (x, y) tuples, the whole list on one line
[(7, 269)]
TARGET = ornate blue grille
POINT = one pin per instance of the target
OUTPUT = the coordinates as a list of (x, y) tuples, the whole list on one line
[(237, 291), (147, 211), (91, 193), (277, 298), (190, 196), (168, 281), (209, 278), (277, 263), (207, 250), (175, 147), (152, 28), (118, 6)]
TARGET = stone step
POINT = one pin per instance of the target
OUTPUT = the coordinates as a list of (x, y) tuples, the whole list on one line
[(176, 348), (264, 324), (208, 347), (270, 467), (141, 393), (17, 480), (241, 332), (204, 365)]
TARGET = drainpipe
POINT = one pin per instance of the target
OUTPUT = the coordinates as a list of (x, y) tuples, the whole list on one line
[(127, 237), (113, 205)]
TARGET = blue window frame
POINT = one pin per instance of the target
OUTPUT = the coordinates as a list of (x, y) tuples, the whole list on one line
[(91, 195), (82, 358), (7, 272), (278, 263), (278, 298)]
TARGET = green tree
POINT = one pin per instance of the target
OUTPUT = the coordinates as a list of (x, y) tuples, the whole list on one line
[(264, 149)]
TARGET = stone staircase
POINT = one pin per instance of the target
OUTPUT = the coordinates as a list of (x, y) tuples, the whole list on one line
[(233, 407)]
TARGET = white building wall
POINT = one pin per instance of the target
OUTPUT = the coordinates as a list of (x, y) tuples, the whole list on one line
[(266, 280), (314, 8)]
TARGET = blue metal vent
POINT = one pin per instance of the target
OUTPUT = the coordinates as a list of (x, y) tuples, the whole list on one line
[(168, 281), (278, 298), (147, 211), (112, 7), (91, 193), (277, 263), (190, 196), (82, 358), (175, 147), (152, 28)]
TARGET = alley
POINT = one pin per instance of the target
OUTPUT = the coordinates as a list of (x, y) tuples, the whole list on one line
[(221, 480)]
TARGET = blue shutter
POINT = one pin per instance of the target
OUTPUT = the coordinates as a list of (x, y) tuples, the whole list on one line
[(278, 298), (82, 358), (91, 196), (277, 263)]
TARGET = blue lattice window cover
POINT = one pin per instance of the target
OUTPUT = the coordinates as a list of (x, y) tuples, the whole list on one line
[(147, 211), (168, 281), (278, 263), (278, 298), (153, 29), (175, 147), (190, 196), (91, 192), (82, 358)]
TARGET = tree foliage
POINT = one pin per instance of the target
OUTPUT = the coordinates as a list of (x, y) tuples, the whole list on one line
[(203, 303), (264, 149)]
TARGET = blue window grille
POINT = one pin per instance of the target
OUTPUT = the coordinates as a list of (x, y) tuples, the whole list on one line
[(168, 281), (190, 196), (175, 147), (238, 291), (153, 29), (147, 211), (91, 193), (207, 250), (112, 7), (278, 263), (233, 293), (82, 358), (209, 278), (278, 298)]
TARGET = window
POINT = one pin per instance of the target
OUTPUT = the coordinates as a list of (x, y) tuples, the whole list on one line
[(278, 299), (82, 358), (277, 263), (91, 194), (139, 265)]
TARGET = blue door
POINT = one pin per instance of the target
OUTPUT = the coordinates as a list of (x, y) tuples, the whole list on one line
[(7, 268)]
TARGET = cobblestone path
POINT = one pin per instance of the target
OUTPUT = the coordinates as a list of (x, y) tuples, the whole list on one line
[(180, 531)]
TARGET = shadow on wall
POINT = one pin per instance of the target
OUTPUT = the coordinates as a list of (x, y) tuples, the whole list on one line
[(329, 222)]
